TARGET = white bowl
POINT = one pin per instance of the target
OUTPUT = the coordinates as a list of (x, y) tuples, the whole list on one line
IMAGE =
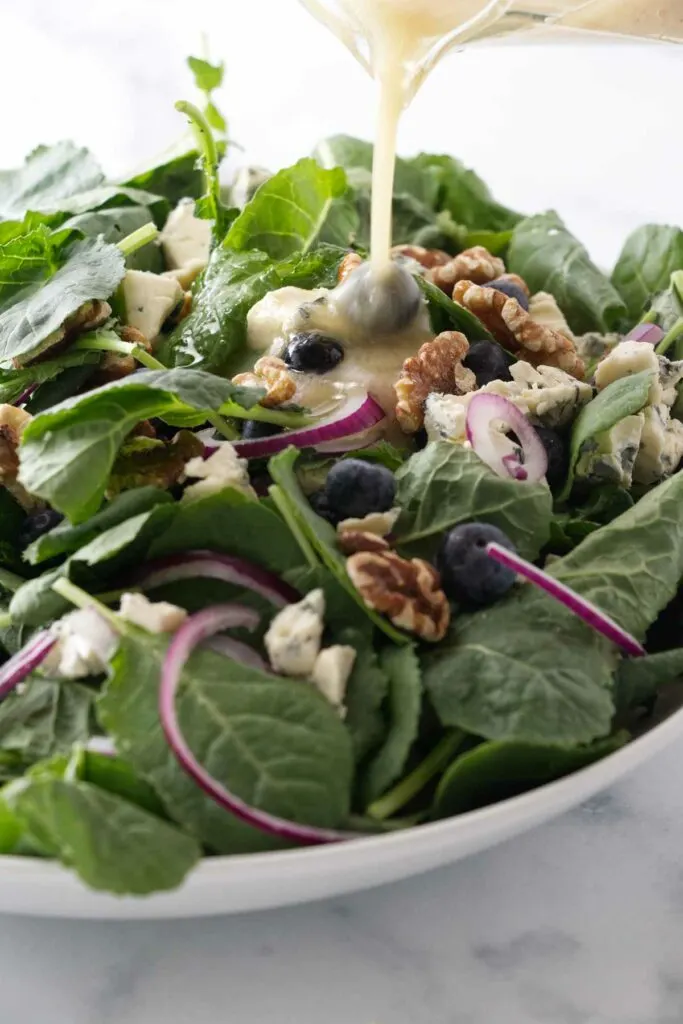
[(227, 885)]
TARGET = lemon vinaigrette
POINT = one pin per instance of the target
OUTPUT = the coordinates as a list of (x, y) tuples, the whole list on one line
[(400, 41)]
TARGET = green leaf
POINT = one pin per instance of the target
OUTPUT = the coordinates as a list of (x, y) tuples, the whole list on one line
[(233, 524), (366, 692), (274, 742), (404, 708), (499, 771), (296, 210), (525, 670), (631, 568), (107, 554), (68, 382), (14, 382), (111, 844), (93, 270), (644, 268), (497, 242), (25, 259), (116, 776), (178, 178), (117, 223), (446, 315), (106, 197), (207, 76), (639, 680), (356, 155), (215, 333), (50, 175), (550, 259), (210, 206), (623, 397), (446, 484), (12, 518), (67, 453), (11, 829), (464, 194), (64, 538), (47, 718), (318, 534), (667, 307)]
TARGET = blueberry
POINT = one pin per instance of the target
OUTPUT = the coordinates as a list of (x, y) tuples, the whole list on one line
[(254, 429), (558, 456), (355, 489), (514, 291), (319, 503), (37, 524), (468, 575), (488, 362), (312, 352), (380, 301)]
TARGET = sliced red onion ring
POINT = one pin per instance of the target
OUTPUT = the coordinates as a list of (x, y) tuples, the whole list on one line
[(238, 651), (194, 631), (582, 608), (358, 413), (649, 333), (482, 413), (215, 566), (25, 661), (25, 395)]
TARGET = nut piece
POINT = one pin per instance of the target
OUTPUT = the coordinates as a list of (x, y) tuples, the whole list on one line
[(353, 541), (86, 318), (351, 262), (477, 265), (514, 328), (427, 258), (408, 592), (270, 373), (436, 367), (135, 337), (12, 424)]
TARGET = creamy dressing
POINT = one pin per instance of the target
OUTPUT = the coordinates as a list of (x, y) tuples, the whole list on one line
[(370, 361), (400, 41)]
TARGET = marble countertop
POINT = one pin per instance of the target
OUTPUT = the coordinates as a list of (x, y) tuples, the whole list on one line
[(578, 922)]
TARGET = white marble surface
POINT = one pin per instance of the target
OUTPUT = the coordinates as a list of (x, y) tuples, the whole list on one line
[(579, 922)]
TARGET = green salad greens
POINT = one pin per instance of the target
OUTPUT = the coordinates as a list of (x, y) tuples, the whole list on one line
[(252, 598)]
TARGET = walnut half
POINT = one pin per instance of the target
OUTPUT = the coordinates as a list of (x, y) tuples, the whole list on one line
[(437, 367), (408, 592), (517, 331), (273, 374), (476, 264)]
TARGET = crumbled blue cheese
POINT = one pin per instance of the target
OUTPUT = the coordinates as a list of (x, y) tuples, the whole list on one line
[(148, 300), (543, 309), (379, 523), (222, 469), (661, 448), (546, 395), (185, 239), (85, 645), (154, 616), (610, 457), (294, 636), (630, 357), (331, 673)]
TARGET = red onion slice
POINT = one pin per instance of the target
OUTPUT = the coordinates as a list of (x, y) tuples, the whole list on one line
[(25, 661), (483, 411), (194, 631), (358, 413), (651, 334), (215, 566), (582, 608)]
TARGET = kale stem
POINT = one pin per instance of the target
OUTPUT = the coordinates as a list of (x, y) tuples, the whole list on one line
[(279, 417), (668, 339), (407, 789), (138, 239), (223, 427), (82, 599), (650, 317), (280, 502), (208, 150), (5, 620), (10, 581), (103, 341), (146, 359)]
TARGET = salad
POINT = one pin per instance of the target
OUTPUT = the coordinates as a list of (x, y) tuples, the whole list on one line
[(292, 551)]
